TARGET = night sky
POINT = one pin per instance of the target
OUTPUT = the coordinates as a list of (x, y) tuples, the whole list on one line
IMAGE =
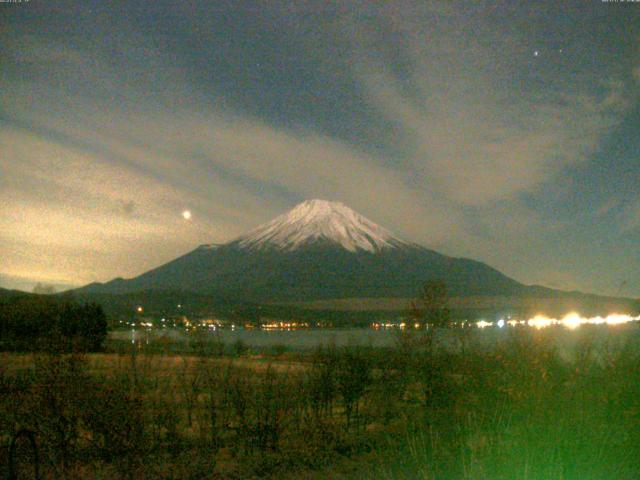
[(508, 132)]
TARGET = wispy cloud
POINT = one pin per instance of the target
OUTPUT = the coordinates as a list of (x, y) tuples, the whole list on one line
[(631, 216), (107, 137), (85, 169), (481, 117)]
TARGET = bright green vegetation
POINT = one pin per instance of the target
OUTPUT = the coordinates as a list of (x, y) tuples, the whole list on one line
[(516, 410)]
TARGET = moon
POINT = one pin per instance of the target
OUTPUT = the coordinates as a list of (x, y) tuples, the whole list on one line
[(186, 215)]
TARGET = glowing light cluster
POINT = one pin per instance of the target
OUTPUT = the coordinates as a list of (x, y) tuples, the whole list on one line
[(571, 321), (284, 325)]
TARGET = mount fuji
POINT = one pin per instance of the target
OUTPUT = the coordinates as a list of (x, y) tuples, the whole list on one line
[(316, 221), (318, 250)]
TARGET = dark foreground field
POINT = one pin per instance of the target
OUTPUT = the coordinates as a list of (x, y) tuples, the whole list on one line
[(518, 410)]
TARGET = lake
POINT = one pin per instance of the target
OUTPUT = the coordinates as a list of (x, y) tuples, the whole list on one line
[(566, 340)]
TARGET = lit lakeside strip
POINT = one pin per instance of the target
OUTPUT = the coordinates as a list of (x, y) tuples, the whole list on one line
[(571, 321)]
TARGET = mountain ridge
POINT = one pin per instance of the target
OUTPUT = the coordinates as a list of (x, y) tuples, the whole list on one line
[(319, 250)]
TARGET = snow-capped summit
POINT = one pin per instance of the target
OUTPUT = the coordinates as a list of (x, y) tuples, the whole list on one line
[(320, 220), (317, 251)]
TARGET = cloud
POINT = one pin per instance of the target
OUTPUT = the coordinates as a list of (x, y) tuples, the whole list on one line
[(478, 121), (606, 207), (99, 184), (28, 283), (128, 207), (631, 216), (451, 125)]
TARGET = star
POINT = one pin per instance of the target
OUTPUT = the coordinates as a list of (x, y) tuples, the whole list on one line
[(186, 215)]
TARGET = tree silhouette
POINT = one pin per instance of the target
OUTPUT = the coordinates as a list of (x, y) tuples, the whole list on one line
[(32, 322), (431, 306)]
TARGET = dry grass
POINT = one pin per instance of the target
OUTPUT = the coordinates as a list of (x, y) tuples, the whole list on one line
[(517, 410)]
